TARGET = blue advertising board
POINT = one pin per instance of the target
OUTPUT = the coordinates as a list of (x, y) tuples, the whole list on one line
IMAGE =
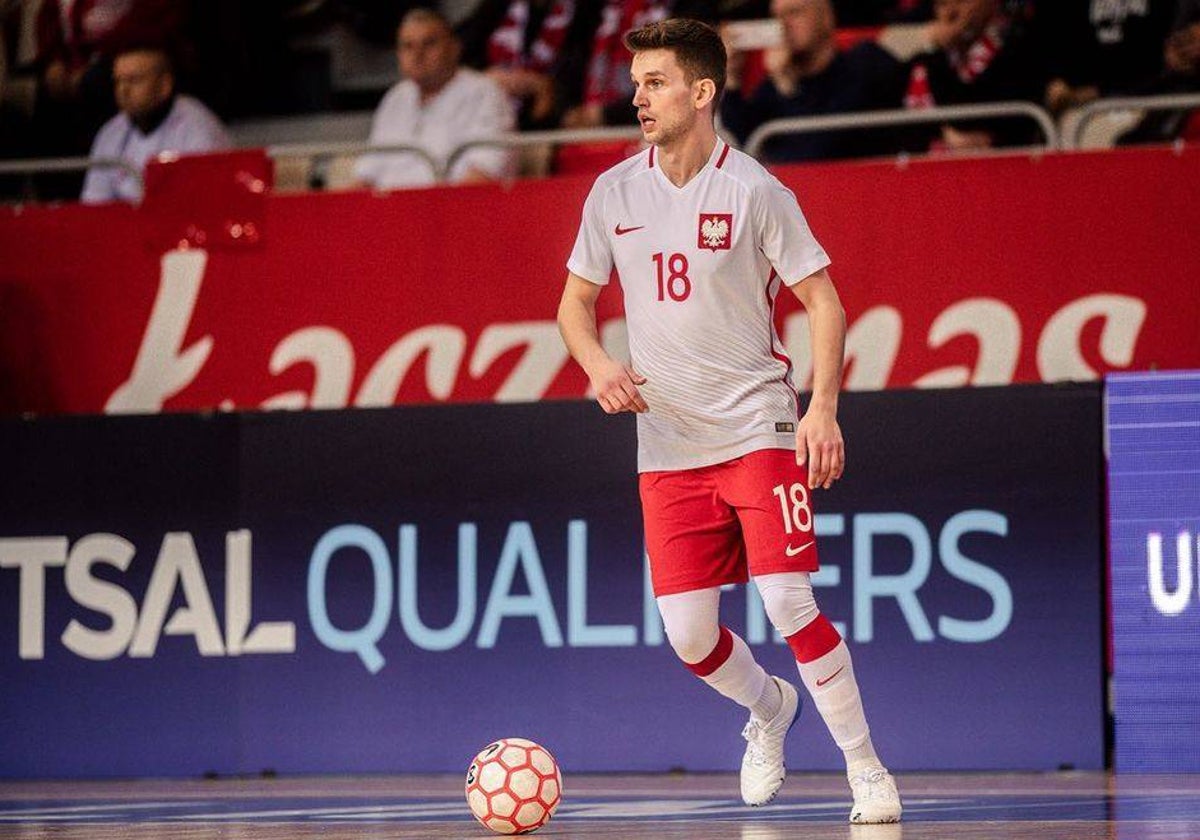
[(1154, 550), (389, 590)]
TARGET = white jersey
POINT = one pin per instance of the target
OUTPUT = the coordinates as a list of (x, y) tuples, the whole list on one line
[(700, 266)]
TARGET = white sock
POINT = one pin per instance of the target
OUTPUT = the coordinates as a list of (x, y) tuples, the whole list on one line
[(830, 681), (740, 678), (768, 704), (690, 621)]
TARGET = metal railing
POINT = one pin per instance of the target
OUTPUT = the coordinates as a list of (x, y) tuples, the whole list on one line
[(1166, 102), (45, 166), (547, 138), (887, 119), (322, 153)]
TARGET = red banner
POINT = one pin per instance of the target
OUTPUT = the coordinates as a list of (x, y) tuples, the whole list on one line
[(979, 271)]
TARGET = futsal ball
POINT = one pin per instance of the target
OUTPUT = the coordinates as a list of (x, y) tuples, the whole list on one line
[(513, 786)]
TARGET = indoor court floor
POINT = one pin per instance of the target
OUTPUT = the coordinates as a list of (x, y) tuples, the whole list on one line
[(1008, 806)]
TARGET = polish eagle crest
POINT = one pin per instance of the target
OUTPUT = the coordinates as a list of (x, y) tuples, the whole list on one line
[(715, 231)]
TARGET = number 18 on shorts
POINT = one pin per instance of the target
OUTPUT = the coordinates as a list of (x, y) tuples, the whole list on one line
[(722, 524)]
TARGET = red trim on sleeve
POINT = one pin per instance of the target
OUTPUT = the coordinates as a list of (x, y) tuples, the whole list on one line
[(814, 640), (782, 358), (718, 657)]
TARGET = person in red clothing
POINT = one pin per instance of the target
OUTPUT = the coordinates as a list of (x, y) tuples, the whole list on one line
[(77, 40), (607, 90), (536, 50), (981, 54)]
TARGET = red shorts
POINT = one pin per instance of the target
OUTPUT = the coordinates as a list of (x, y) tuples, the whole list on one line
[(716, 525)]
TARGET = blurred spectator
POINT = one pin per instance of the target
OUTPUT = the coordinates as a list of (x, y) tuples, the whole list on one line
[(153, 119), (1182, 53), (607, 88), (18, 91), (981, 55), (536, 50), (1181, 74), (18, 55), (809, 76), (10, 36), (438, 105), (12, 128), (77, 42), (1095, 49)]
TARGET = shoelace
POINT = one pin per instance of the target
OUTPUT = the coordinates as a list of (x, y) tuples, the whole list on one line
[(872, 779), (753, 733)]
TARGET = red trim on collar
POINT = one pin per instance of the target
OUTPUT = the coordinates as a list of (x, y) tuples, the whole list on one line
[(724, 155)]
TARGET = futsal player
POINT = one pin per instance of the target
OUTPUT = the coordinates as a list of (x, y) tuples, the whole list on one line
[(703, 240)]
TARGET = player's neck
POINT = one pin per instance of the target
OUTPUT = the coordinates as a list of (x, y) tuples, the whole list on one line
[(682, 160)]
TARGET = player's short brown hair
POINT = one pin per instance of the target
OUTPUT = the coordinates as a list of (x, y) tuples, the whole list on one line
[(697, 47)]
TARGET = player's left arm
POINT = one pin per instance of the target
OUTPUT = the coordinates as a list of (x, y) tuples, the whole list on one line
[(818, 436)]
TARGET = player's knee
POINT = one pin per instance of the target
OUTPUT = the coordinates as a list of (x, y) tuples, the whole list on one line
[(789, 601), (692, 641), (691, 622)]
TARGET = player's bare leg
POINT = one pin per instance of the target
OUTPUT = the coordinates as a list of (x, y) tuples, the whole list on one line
[(825, 667), (723, 660)]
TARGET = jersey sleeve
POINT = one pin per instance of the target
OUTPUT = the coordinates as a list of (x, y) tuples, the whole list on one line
[(784, 235), (591, 258)]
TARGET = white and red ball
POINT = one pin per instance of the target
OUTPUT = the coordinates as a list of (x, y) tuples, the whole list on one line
[(513, 786)]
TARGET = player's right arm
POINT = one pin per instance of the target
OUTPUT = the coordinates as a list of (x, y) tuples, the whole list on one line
[(615, 384)]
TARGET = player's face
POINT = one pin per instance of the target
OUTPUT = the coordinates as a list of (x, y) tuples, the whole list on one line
[(807, 24), (141, 82), (665, 100), (427, 52)]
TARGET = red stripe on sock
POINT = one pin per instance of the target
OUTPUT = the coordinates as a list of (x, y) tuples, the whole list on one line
[(814, 640), (718, 657)]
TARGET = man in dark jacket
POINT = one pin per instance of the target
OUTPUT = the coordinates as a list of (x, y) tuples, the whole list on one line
[(810, 76), (981, 55)]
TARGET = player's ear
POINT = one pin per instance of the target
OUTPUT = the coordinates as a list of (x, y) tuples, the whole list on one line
[(704, 91)]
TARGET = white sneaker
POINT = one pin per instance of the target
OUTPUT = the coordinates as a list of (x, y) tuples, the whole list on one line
[(876, 799), (762, 765)]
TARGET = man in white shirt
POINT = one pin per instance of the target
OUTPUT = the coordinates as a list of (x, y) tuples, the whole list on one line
[(703, 239), (438, 106), (153, 120)]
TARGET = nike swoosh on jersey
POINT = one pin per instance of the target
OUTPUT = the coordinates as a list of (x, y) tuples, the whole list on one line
[(620, 231), (792, 552)]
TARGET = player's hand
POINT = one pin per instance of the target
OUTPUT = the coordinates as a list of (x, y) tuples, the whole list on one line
[(819, 444), (616, 387)]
